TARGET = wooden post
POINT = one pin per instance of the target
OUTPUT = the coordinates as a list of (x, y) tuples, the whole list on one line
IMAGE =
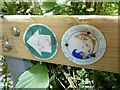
[(108, 25)]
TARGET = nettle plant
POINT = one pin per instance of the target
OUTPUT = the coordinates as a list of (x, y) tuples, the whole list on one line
[(36, 77), (51, 76)]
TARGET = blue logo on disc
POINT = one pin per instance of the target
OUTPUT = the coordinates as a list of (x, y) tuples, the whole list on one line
[(82, 44)]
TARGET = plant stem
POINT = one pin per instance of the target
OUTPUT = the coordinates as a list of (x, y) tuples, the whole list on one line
[(34, 7), (61, 83), (105, 8), (99, 7), (69, 79), (94, 5), (95, 78)]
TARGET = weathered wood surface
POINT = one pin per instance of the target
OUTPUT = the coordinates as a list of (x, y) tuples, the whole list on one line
[(0, 36), (59, 24)]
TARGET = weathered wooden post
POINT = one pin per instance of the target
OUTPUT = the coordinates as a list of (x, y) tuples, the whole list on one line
[(15, 66), (108, 25)]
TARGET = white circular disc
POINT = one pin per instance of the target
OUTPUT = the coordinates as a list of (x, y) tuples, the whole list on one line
[(83, 44)]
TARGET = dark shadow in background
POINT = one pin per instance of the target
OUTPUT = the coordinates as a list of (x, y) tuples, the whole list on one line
[(119, 37)]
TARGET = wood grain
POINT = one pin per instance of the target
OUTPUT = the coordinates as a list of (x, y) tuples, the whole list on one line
[(0, 36), (59, 24)]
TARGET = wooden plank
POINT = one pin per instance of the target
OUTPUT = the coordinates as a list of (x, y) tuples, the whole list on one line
[(0, 36), (59, 24)]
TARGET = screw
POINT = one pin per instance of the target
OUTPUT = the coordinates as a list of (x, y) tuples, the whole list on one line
[(15, 31), (7, 46)]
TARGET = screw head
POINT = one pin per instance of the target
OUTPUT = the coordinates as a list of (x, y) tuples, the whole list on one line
[(7, 46), (15, 31)]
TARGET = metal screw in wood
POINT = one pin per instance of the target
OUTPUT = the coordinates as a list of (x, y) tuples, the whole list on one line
[(15, 31), (7, 46)]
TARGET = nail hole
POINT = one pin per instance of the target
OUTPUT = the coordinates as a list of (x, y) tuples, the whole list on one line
[(93, 55), (88, 32), (66, 44)]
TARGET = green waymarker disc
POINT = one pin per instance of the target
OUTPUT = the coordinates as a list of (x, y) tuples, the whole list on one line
[(41, 41)]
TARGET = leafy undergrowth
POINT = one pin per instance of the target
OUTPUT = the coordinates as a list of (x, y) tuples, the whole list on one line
[(60, 76), (5, 80)]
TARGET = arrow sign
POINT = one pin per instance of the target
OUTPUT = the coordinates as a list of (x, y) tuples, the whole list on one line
[(41, 43)]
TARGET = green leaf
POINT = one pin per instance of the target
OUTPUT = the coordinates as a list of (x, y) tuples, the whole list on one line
[(90, 9), (48, 5), (35, 77), (60, 2), (49, 0)]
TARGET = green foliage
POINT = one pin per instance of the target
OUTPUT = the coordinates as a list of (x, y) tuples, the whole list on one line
[(35, 77), (48, 5), (64, 7), (106, 81), (5, 80), (112, 9), (66, 77)]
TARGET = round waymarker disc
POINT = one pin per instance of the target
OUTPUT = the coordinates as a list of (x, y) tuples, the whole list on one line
[(41, 41), (83, 44)]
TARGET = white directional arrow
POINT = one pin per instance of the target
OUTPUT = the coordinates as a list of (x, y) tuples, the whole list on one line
[(41, 43)]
